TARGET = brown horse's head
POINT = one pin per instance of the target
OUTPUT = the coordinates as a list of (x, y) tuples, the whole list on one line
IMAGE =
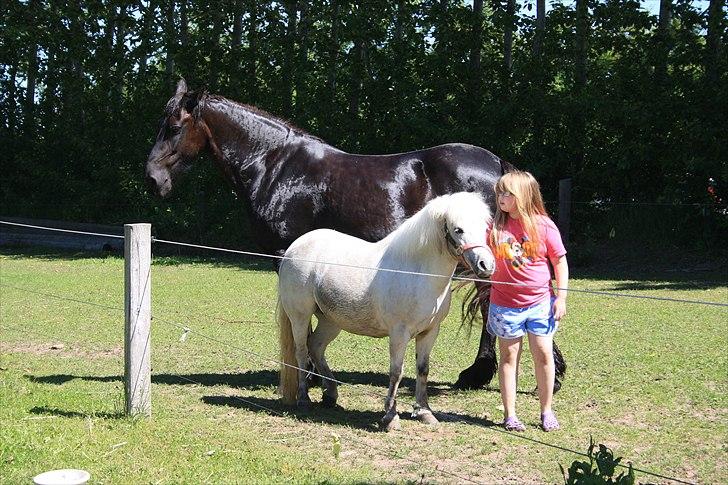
[(182, 134)]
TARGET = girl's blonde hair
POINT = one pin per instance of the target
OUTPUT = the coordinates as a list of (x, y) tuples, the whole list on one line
[(527, 194)]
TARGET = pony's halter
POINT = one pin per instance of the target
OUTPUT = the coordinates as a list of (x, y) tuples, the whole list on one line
[(456, 250)]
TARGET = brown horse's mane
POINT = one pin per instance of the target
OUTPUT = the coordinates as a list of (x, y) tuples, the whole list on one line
[(206, 98)]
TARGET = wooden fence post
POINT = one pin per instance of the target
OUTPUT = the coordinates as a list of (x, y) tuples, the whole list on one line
[(137, 314), (564, 209)]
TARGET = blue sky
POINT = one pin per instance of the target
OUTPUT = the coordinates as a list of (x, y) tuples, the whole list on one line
[(652, 6)]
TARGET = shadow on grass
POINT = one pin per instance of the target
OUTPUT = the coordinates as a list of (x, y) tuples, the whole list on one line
[(688, 284), (646, 268), (265, 379), (316, 413), (45, 411)]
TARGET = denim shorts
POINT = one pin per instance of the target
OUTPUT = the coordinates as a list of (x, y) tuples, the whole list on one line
[(505, 322)]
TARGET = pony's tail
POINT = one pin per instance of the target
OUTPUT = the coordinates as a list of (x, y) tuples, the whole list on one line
[(288, 387)]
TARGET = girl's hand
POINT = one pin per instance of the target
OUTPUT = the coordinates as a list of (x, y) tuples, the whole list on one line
[(559, 308)]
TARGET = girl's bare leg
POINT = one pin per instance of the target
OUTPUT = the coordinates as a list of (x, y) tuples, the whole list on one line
[(510, 356), (543, 361)]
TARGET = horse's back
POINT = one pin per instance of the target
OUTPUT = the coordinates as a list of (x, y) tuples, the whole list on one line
[(371, 195), (459, 167)]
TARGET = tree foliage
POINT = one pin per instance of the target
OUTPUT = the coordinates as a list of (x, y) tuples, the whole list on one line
[(633, 106)]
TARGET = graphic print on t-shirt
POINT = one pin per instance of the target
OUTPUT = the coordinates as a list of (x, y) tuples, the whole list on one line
[(517, 253)]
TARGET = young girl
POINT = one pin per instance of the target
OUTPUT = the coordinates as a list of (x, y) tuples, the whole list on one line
[(522, 301)]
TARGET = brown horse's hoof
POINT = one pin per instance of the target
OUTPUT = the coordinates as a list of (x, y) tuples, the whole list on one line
[(390, 424), (477, 376), (328, 401)]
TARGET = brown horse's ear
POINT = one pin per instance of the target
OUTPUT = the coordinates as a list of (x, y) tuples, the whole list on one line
[(192, 99), (181, 88)]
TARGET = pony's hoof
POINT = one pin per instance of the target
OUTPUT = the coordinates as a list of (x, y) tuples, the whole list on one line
[(328, 401), (390, 424), (426, 417)]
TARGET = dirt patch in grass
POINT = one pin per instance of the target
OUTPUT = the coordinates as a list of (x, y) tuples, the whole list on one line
[(59, 350), (629, 420)]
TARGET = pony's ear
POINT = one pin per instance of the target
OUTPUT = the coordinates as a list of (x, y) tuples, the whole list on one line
[(181, 88)]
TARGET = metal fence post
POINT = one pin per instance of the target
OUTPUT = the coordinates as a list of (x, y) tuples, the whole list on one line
[(137, 315)]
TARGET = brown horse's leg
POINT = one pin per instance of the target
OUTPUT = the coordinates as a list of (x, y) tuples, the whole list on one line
[(481, 372)]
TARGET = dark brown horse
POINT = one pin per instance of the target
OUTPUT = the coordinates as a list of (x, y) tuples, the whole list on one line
[(291, 182)]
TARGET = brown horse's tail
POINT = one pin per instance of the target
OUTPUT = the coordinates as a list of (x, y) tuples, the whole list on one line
[(476, 295), (288, 387)]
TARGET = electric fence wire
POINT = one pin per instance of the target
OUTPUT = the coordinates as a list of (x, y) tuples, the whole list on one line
[(414, 273)]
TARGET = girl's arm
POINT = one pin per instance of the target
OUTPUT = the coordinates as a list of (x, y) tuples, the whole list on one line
[(561, 271)]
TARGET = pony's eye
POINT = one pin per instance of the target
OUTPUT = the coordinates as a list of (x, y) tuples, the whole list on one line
[(175, 129), (457, 230)]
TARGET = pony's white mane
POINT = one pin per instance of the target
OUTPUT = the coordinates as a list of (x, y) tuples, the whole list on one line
[(426, 227)]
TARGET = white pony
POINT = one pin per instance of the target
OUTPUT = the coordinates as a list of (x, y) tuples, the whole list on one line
[(322, 274)]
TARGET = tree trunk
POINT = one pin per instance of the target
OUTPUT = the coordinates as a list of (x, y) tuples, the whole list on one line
[(301, 68), (357, 72), (713, 44), (289, 71), (184, 29), (539, 87), (473, 101), (149, 15), (664, 42), (170, 41), (75, 87), (31, 75), (508, 36), (51, 97), (333, 54), (580, 76), (477, 47), (582, 44), (117, 81), (252, 71), (216, 55), (12, 104), (540, 28), (237, 37), (32, 72)]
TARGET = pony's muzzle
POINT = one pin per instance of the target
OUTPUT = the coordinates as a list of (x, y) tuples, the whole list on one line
[(481, 261), (485, 269)]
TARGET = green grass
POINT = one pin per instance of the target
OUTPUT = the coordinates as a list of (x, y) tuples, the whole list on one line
[(647, 378)]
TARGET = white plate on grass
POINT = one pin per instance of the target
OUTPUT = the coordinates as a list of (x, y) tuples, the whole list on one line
[(62, 477)]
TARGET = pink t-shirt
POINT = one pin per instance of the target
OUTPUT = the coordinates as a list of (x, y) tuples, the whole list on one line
[(519, 261)]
